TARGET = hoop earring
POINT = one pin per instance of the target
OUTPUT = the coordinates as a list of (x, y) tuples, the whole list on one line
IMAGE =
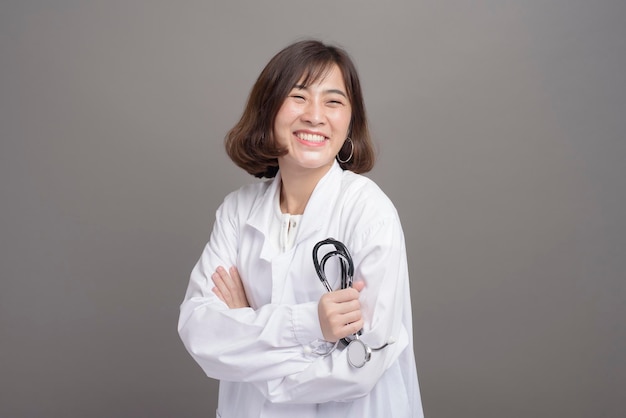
[(351, 152)]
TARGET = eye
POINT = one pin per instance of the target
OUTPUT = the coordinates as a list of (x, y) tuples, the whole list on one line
[(335, 102), (297, 97)]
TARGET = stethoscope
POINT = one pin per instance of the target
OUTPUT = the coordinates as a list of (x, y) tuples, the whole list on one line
[(359, 353)]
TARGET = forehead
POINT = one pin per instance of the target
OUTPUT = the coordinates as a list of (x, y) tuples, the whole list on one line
[(328, 73)]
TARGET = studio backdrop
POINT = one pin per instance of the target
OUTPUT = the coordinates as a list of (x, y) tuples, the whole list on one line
[(501, 138)]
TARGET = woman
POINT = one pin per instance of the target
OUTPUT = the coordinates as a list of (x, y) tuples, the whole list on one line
[(255, 315)]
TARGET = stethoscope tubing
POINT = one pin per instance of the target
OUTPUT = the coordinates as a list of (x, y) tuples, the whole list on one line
[(347, 265)]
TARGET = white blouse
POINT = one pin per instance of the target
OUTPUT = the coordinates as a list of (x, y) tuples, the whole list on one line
[(284, 228)]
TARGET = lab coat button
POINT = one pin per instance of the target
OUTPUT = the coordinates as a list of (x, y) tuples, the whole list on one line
[(307, 349)]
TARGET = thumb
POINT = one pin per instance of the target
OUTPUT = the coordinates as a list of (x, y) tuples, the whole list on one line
[(360, 285)]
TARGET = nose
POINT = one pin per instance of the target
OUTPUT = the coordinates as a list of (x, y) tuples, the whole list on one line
[(314, 113)]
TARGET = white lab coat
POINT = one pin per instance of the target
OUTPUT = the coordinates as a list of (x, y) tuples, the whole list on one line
[(266, 356)]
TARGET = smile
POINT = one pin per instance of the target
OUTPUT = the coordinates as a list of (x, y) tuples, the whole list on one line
[(309, 137)]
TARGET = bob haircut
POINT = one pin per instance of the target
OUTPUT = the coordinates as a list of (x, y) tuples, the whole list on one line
[(251, 144)]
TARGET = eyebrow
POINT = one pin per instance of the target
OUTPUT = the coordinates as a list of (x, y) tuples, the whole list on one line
[(336, 91)]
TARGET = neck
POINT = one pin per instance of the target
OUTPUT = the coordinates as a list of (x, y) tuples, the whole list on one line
[(297, 187)]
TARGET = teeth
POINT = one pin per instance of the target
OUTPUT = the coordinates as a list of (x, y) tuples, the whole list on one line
[(311, 137)]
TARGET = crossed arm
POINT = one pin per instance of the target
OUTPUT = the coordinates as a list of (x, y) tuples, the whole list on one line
[(339, 311)]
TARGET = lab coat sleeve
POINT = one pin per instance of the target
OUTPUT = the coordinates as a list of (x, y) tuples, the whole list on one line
[(381, 262), (241, 344)]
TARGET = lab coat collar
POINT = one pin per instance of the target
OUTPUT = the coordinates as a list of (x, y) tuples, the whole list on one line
[(317, 210)]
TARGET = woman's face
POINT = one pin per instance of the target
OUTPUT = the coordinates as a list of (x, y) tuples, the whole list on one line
[(313, 122)]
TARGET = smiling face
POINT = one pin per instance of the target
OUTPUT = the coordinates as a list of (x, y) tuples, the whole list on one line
[(312, 124)]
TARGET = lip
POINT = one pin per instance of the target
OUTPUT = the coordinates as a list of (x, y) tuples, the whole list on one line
[(310, 143)]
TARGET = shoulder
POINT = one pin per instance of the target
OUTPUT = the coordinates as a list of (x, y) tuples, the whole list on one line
[(368, 213), (243, 199), (362, 192), (364, 207)]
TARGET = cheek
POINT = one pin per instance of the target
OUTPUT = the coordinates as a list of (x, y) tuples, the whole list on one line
[(342, 120), (287, 110), (282, 119)]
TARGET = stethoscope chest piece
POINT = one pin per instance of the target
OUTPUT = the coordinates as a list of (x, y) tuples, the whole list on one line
[(358, 353)]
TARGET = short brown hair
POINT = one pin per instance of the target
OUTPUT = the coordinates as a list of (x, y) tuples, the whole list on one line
[(250, 143)]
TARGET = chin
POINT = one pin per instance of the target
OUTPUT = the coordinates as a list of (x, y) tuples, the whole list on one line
[(316, 164), (311, 162)]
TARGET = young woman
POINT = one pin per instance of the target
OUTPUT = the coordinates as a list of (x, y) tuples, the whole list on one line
[(256, 315)]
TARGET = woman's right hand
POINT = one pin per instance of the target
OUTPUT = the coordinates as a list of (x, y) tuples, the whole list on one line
[(229, 288), (339, 312)]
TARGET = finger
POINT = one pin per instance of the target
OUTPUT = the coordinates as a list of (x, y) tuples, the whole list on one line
[(218, 294), (358, 286), (350, 329), (340, 324), (234, 275), (239, 294), (222, 287), (228, 281), (338, 319), (343, 295), (347, 307), (356, 326), (352, 317), (332, 308)]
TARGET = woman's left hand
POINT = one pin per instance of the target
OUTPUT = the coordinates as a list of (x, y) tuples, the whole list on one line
[(229, 288)]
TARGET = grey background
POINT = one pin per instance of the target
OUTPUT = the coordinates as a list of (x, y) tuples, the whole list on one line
[(501, 134)]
